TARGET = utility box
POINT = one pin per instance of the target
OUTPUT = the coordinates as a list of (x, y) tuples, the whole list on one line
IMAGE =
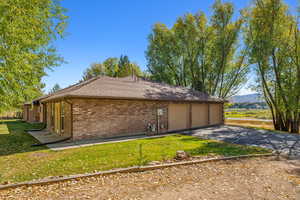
[(160, 112)]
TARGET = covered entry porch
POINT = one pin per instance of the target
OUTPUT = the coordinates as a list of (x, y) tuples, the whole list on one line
[(59, 118)]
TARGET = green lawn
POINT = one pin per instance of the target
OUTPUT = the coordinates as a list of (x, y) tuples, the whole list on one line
[(248, 113), (21, 162)]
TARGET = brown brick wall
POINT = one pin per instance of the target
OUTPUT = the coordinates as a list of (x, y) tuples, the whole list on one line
[(109, 118)]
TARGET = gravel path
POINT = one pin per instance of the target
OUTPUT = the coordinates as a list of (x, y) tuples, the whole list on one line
[(244, 179), (281, 142)]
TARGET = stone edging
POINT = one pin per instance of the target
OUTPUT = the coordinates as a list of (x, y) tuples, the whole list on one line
[(47, 181)]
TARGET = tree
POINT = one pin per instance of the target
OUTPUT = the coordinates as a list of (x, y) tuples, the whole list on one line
[(27, 30), (127, 68), (95, 69), (273, 41), (113, 67), (123, 61), (200, 54), (55, 88)]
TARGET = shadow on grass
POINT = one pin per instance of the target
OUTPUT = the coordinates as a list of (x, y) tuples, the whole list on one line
[(222, 148), (16, 140), (190, 139), (161, 136)]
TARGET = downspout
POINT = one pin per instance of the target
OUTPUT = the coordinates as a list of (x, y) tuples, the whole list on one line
[(71, 104)]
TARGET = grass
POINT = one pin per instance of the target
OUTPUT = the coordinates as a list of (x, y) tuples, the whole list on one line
[(21, 162), (251, 124), (248, 113), (13, 138)]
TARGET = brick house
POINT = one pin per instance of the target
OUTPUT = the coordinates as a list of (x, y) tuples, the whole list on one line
[(31, 112), (109, 107)]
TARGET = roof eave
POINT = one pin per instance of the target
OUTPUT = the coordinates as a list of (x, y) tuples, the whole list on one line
[(126, 98)]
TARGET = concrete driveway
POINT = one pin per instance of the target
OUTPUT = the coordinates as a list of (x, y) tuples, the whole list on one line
[(280, 142)]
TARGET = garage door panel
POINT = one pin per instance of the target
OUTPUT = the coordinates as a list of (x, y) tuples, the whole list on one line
[(178, 116), (199, 115), (215, 114)]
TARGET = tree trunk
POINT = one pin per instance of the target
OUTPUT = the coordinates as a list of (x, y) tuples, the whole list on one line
[(295, 126)]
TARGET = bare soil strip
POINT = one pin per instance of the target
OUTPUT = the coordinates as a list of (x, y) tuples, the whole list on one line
[(52, 180), (257, 178)]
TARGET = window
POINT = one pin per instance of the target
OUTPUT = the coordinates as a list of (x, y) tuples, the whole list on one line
[(62, 116)]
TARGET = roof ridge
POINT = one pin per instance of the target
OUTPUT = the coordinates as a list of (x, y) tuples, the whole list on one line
[(77, 85), (81, 84)]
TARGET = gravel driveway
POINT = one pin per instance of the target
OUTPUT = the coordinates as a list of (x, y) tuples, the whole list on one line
[(247, 179), (281, 142)]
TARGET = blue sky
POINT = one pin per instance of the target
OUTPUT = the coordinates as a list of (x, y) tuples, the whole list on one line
[(101, 29)]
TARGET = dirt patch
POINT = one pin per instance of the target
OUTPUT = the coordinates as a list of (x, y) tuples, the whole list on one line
[(243, 179), (39, 154)]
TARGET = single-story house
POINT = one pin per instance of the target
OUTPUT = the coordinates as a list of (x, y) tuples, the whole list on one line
[(34, 111), (31, 112), (109, 107)]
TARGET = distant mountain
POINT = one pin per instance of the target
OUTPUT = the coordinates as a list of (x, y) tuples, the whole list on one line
[(248, 98)]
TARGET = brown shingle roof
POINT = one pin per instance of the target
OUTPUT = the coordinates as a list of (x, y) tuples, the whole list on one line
[(129, 88), (69, 88)]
